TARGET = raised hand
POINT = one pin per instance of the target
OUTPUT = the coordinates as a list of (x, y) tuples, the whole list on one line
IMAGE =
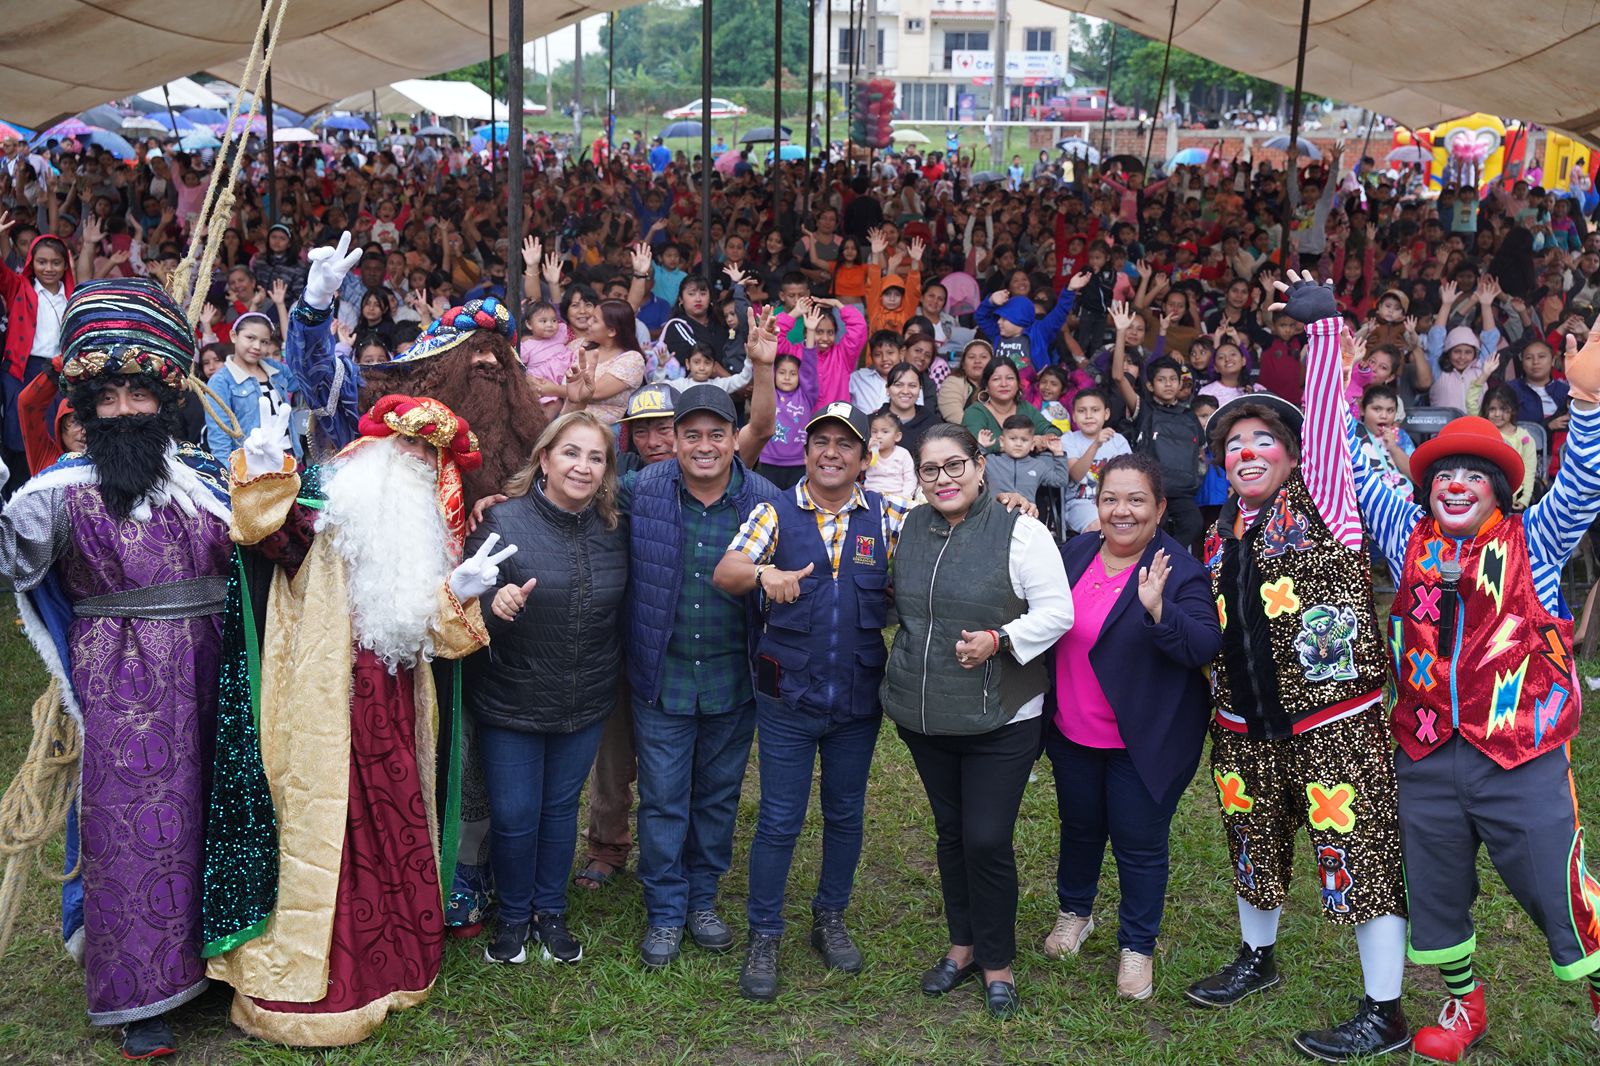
[(1152, 582), (761, 345), (1079, 280), (1121, 316), (93, 231), (1448, 292), (328, 266), (917, 247), (642, 258), (279, 292), (1307, 301), (345, 335), (1488, 290), (511, 599), (986, 438), (265, 446), (479, 574), (531, 252), (736, 277), (580, 375), (877, 240)]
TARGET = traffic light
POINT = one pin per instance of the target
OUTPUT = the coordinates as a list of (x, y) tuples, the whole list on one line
[(872, 108)]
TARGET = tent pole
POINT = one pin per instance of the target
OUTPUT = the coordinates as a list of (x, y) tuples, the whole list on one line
[(493, 140), (705, 138), (1111, 66), (1294, 126), (1372, 117), (827, 83), (272, 162), (170, 116), (611, 67), (1161, 90), (514, 75), (811, 86), (777, 110)]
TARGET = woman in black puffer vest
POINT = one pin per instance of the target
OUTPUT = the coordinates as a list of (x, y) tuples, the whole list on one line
[(541, 691)]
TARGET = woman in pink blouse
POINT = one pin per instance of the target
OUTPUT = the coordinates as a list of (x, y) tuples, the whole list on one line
[(1130, 712)]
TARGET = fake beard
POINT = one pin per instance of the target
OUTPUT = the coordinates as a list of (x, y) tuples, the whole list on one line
[(130, 455), (383, 515)]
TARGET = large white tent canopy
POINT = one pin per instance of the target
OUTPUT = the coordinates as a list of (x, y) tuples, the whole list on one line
[(1419, 61), (452, 99), (184, 92)]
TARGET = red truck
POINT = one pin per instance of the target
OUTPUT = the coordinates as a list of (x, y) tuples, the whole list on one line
[(1081, 105)]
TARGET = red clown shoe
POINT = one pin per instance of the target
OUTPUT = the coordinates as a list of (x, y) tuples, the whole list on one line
[(1462, 1023)]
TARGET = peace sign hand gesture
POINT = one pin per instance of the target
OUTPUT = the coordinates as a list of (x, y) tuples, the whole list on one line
[(1153, 582), (479, 574), (326, 274)]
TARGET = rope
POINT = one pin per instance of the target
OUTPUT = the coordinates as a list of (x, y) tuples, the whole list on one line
[(35, 805), (206, 240)]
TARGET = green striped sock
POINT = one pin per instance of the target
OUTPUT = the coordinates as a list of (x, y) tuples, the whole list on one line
[(1458, 977), (1594, 982)]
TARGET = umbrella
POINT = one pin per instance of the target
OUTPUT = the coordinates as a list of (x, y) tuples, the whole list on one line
[(204, 116), (434, 131), (70, 128), (104, 117), (1078, 148), (292, 135), (1126, 162), (283, 116), (726, 162), (1306, 148), (983, 177), (257, 125), (961, 292), (909, 136), (1189, 157), (502, 132), (679, 129), (762, 133), (193, 140), (343, 122), (8, 132), (1409, 153), (164, 121), (144, 124), (111, 142), (789, 151)]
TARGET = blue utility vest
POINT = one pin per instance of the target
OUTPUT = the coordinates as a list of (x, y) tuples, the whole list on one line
[(828, 644)]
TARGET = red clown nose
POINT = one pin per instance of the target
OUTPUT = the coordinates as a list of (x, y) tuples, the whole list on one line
[(1456, 487), (1247, 455)]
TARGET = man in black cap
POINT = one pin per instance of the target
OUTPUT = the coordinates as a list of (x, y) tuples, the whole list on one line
[(690, 647), (818, 556)]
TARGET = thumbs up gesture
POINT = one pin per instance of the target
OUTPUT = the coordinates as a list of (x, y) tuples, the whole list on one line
[(783, 586)]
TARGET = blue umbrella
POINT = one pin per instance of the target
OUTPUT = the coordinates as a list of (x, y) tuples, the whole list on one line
[(344, 122), (183, 126), (790, 151), (1189, 157), (1306, 148), (205, 116), (679, 129), (193, 140), (111, 142), (283, 116), (502, 132)]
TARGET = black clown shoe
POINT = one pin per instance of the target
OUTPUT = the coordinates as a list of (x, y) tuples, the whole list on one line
[(1253, 970), (1375, 1029)]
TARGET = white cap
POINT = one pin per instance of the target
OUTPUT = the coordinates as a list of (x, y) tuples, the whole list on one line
[(155, 153)]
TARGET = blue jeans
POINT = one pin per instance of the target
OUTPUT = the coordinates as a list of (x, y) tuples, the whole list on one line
[(790, 743), (1099, 796), (534, 781), (691, 767)]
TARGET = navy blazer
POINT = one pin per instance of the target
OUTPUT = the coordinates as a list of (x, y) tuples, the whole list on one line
[(1151, 672)]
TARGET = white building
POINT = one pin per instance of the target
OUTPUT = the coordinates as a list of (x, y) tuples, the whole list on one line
[(941, 52)]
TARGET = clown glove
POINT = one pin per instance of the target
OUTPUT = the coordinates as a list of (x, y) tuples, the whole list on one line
[(326, 274), (1306, 302), (481, 573), (1583, 366), (267, 444)]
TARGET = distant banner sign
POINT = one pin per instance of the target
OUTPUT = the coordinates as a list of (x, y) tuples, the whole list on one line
[(969, 64)]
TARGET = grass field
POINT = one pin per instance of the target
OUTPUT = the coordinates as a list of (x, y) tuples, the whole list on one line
[(608, 1009)]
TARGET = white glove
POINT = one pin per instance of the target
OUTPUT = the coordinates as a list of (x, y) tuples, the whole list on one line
[(479, 574), (267, 444), (327, 271)]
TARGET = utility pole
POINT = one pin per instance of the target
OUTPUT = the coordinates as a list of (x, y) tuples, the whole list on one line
[(577, 86), (998, 143)]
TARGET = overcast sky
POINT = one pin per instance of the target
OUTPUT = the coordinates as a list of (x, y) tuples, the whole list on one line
[(562, 42)]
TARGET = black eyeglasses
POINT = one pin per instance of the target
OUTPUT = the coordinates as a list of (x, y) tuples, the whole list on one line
[(952, 467)]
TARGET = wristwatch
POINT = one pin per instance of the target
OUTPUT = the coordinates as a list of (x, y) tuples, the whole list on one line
[(1004, 640)]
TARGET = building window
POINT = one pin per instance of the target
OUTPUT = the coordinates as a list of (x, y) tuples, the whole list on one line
[(968, 41), (845, 53), (914, 25), (1039, 41)]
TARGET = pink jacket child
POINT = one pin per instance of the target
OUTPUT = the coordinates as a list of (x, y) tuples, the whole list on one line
[(835, 364), (547, 359)]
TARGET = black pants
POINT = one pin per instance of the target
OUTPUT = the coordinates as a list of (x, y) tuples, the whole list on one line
[(974, 785), (1183, 521), (785, 477)]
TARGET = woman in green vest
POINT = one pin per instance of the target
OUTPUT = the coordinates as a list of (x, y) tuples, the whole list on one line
[(981, 595)]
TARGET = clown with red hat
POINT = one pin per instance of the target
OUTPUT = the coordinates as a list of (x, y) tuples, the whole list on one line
[(1486, 690)]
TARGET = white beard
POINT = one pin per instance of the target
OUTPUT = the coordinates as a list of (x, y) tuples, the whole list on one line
[(383, 515)]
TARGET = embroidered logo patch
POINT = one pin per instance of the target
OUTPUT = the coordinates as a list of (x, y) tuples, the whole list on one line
[(1421, 663), (1547, 712), (1333, 878), (1502, 639), (1235, 800), (1506, 694), (1330, 806), (1429, 563), (1427, 731), (864, 547), (1278, 597), (1492, 571), (1326, 644), (1551, 648)]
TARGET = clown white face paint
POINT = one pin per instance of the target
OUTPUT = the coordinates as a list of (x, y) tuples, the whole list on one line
[(1462, 501), (1256, 462)]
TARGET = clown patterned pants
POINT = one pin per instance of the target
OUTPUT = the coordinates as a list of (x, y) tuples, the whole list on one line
[(1338, 781)]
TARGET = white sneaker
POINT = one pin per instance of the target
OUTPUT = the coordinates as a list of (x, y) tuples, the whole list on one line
[(1069, 934), (1136, 975)]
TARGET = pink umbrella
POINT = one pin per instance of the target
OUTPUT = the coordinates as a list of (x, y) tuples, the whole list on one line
[(961, 290), (258, 125), (70, 128), (726, 162), (9, 132)]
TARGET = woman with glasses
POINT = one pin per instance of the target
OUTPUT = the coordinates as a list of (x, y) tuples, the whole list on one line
[(981, 595)]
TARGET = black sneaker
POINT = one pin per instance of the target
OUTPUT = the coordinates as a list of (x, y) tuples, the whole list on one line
[(1253, 970), (1376, 1029), (509, 944), (660, 945), (150, 1038), (758, 980), (709, 931), (558, 945), (832, 941)]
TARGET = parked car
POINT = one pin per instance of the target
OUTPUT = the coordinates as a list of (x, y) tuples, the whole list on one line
[(1080, 106), (720, 108)]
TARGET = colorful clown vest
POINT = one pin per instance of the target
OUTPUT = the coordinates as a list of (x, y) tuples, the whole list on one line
[(1299, 640), (1510, 686)]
